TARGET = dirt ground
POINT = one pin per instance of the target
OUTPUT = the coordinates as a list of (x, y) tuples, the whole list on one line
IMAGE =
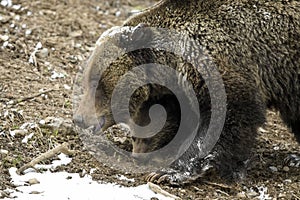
[(42, 46)]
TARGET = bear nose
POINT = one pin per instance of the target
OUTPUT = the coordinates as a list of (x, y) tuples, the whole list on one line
[(95, 124), (78, 120)]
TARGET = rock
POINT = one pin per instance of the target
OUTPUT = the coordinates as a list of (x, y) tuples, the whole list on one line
[(56, 75), (260, 129), (241, 195), (286, 168), (4, 19), (18, 132), (5, 44), (16, 7), (276, 148), (76, 33), (281, 195), (28, 32), (33, 181), (43, 53), (4, 37), (38, 46), (54, 121), (122, 140), (42, 122), (6, 3), (287, 181), (252, 194), (4, 194), (3, 151), (67, 87), (27, 137), (57, 124), (118, 13), (273, 169), (35, 192)]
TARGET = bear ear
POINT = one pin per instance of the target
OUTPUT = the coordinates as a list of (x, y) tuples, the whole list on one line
[(138, 37), (141, 33), (135, 37)]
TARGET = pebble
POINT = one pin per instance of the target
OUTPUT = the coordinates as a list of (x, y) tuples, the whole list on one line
[(17, 17), (260, 129), (6, 3), (77, 45), (28, 31), (281, 195), (4, 37), (42, 122), (44, 96), (118, 13), (3, 151), (16, 7), (287, 181), (122, 140), (38, 45), (56, 75), (76, 33), (35, 192), (252, 194), (4, 19), (4, 194), (53, 121), (27, 137), (67, 87), (18, 132), (276, 148), (241, 195), (5, 44), (273, 169), (286, 168), (43, 53), (57, 124), (33, 181)]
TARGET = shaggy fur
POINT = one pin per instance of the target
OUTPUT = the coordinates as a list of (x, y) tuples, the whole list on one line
[(255, 45)]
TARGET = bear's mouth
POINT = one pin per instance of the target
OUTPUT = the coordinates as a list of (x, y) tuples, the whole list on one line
[(100, 124)]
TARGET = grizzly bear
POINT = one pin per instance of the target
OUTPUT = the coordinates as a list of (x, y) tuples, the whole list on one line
[(254, 45)]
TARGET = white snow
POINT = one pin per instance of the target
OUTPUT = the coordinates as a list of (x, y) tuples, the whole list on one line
[(70, 186), (124, 178), (27, 137), (7, 3)]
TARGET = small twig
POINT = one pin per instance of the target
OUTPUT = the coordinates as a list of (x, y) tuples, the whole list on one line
[(63, 148), (222, 192), (196, 188), (297, 197), (31, 96), (217, 184), (155, 188)]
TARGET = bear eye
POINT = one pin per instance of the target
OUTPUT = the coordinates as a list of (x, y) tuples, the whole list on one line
[(94, 83)]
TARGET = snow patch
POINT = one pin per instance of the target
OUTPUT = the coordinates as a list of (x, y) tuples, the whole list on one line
[(70, 186)]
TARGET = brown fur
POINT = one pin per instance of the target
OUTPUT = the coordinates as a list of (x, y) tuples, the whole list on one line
[(255, 45)]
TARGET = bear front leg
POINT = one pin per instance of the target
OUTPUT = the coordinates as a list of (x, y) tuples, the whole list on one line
[(230, 155)]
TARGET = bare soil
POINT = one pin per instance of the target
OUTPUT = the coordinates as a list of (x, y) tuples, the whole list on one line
[(36, 83)]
